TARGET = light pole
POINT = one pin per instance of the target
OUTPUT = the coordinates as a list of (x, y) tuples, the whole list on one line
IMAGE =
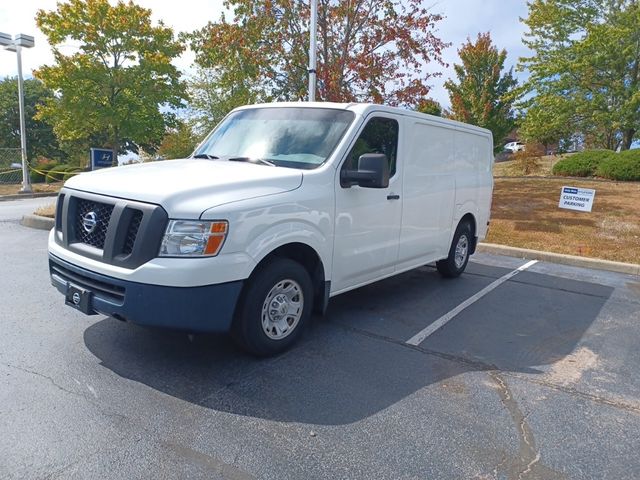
[(312, 50), (19, 41)]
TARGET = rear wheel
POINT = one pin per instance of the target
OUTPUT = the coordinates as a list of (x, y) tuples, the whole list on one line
[(274, 308), (456, 262)]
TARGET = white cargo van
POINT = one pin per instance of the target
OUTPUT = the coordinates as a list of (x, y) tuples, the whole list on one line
[(280, 208)]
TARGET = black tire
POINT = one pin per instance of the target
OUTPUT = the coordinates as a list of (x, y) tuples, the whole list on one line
[(248, 330), (448, 267)]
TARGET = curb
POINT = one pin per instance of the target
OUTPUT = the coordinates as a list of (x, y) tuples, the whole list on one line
[(36, 221), (572, 260), (20, 196)]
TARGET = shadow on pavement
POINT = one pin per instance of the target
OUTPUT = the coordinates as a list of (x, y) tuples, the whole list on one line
[(344, 371)]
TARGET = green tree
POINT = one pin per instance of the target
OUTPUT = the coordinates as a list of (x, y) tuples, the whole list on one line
[(215, 92), (41, 141), (482, 94), (118, 81), (585, 66), (430, 106), (178, 142), (368, 50), (546, 122)]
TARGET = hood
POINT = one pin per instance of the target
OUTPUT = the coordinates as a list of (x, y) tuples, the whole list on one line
[(186, 188)]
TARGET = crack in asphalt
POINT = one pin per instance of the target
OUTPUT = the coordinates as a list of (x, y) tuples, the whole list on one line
[(227, 470), (500, 465), (65, 390), (621, 405), (477, 365), (531, 284), (528, 453), (57, 473), (46, 377)]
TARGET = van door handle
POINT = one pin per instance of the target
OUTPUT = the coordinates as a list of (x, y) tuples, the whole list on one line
[(393, 196)]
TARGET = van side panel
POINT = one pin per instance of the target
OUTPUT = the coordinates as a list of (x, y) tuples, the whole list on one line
[(428, 192), (474, 180)]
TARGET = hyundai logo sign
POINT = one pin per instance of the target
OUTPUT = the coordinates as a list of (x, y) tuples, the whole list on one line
[(90, 222)]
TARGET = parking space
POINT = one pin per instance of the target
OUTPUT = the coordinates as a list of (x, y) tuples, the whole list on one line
[(536, 379)]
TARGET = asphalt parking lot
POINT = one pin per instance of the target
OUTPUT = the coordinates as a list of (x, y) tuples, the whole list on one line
[(537, 379)]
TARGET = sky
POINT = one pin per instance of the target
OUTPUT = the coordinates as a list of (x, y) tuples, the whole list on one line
[(464, 18)]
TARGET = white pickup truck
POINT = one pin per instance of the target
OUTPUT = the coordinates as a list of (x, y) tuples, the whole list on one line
[(280, 208)]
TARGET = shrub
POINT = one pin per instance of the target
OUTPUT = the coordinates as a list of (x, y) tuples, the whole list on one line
[(55, 174), (622, 166), (61, 173), (527, 161), (39, 170), (72, 171), (36, 177), (582, 164)]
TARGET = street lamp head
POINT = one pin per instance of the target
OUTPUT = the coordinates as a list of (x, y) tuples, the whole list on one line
[(22, 40), (5, 40)]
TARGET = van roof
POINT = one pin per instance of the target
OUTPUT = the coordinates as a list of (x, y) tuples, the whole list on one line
[(364, 108)]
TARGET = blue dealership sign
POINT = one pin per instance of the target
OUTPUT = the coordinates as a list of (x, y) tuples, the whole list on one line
[(101, 158)]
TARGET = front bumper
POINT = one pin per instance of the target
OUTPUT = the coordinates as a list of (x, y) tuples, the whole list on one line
[(207, 308)]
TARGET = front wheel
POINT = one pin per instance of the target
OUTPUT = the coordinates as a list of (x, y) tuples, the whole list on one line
[(456, 262), (274, 308)]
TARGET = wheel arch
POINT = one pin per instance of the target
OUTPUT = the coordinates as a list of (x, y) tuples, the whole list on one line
[(310, 259), (471, 220)]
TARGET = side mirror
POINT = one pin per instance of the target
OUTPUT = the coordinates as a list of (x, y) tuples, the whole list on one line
[(373, 172)]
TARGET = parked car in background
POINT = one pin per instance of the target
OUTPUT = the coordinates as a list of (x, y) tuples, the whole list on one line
[(514, 147)]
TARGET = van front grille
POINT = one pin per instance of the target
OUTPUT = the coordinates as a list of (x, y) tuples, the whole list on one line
[(132, 232), (117, 231), (92, 222)]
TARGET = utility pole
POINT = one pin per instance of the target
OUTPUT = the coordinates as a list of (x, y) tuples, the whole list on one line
[(15, 45), (312, 50)]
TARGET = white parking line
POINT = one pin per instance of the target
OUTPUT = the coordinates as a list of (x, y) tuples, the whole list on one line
[(419, 337)]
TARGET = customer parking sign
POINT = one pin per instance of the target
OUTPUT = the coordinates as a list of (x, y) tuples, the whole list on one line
[(580, 199)]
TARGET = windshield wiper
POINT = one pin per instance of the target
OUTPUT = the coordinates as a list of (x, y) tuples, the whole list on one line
[(206, 155), (252, 160)]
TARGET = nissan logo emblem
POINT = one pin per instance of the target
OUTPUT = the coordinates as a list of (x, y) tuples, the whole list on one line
[(76, 298), (90, 222)]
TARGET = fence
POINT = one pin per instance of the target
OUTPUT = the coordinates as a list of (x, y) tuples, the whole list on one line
[(51, 172), (10, 166)]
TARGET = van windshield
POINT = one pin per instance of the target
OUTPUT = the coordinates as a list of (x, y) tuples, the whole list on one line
[(286, 137)]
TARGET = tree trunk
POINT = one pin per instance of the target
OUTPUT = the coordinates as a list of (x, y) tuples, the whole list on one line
[(627, 138), (114, 148)]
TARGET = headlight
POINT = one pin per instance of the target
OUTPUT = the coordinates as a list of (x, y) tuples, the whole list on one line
[(189, 238)]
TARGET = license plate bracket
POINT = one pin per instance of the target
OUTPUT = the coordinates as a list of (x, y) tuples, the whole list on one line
[(79, 298)]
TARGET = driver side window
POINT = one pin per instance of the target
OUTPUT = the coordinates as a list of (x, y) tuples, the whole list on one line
[(380, 135)]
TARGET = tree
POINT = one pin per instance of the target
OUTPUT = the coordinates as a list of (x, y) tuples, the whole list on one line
[(546, 122), (586, 58), (118, 81), (215, 92), (41, 141), (430, 106), (482, 94), (178, 142), (368, 50)]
